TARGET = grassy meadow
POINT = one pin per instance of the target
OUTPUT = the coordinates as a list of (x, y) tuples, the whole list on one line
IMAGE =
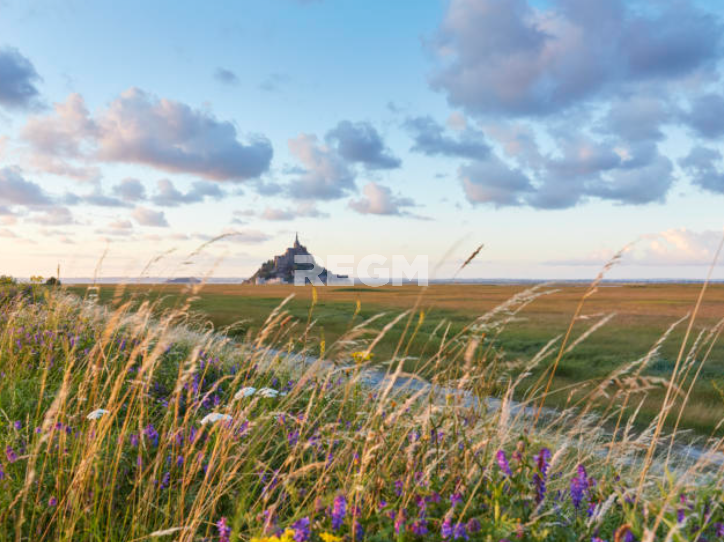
[(134, 418), (627, 320)]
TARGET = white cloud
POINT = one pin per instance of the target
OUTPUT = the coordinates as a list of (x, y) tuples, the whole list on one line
[(327, 176), (149, 217), (379, 200), (140, 128)]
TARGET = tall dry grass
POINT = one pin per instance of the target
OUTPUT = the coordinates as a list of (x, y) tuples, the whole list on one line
[(133, 423)]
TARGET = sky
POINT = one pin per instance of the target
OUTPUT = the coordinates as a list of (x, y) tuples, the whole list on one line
[(177, 138)]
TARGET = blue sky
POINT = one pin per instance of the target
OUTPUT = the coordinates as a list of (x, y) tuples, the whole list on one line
[(553, 132)]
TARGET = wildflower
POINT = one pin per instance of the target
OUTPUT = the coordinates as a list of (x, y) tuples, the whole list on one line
[(328, 537), (11, 455), (18, 425), (446, 528), (503, 462), (456, 498), (52, 502), (542, 460), (460, 532), (339, 510), (361, 357), (96, 414), (215, 417), (301, 530), (579, 485), (245, 392), (359, 531), (151, 434), (224, 530), (474, 526), (419, 527), (268, 392)]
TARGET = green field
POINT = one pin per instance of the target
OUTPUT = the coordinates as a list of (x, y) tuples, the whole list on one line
[(639, 316)]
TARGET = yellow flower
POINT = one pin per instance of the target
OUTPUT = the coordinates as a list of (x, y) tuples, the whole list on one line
[(327, 537), (287, 536), (360, 357)]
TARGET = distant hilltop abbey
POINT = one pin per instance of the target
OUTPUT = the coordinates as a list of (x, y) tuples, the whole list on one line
[(280, 270)]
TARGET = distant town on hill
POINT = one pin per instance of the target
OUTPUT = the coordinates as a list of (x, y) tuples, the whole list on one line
[(280, 269)]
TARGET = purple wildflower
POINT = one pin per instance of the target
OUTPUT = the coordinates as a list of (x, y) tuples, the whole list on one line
[(339, 510), (18, 425), (503, 462), (459, 532), (419, 527), (456, 498), (579, 486), (52, 502), (151, 434), (224, 530), (11, 455), (474, 525), (301, 530), (446, 528), (542, 460), (359, 531)]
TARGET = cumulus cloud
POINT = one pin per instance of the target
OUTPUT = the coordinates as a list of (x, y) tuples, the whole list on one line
[(327, 175), (430, 139), (140, 128), (148, 217), (581, 169), (672, 247), (18, 80), (15, 190), (678, 246), (99, 199), (706, 116), (637, 118), (506, 57), (379, 200), (614, 75), (130, 190), (54, 216), (225, 76), (59, 139), (360, 142), (704, 167), (169, 196), (302, 210), (121, 225), (492, 181)]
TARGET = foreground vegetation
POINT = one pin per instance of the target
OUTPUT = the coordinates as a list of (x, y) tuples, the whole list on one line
[(136, 424)]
